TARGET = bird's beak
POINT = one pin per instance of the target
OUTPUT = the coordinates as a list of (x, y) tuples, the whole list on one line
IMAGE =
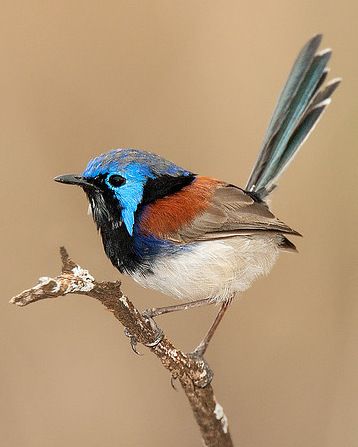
[(73, 179)]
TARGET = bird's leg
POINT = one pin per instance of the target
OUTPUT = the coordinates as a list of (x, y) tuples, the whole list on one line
[(202, 347), (150, 314), (156, 311)]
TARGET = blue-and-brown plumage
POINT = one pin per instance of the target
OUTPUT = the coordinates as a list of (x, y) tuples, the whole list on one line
[(197, 237)]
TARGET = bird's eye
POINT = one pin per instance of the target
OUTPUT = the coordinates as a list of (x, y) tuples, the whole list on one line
[(116, 180)]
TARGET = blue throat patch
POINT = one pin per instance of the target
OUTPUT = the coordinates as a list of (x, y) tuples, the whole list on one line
[(130, 194)]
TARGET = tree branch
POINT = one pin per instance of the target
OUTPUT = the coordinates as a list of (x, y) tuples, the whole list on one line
[(194, 374)]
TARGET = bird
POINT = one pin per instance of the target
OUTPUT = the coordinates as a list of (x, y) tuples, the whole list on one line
[(198, 238)]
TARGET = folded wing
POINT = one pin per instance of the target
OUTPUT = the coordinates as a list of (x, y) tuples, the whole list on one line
[(223, 211)]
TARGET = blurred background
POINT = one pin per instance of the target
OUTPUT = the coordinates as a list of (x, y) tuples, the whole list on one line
[(195, 81)]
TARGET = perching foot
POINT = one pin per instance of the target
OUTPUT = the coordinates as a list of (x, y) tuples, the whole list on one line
[(159, 335), (207, 373), (133, 341)]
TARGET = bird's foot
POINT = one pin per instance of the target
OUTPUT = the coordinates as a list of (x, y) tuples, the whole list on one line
[(205, 373), (151, 313), (133, 341), (159, 335), (173, 378), (200, 350)]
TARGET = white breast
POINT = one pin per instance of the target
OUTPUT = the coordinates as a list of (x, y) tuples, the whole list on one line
[(213, 269)]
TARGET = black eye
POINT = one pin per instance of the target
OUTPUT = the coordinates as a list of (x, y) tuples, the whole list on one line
[(116, 180)]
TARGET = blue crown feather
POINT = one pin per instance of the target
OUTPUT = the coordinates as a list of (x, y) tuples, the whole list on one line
[(136, 167)]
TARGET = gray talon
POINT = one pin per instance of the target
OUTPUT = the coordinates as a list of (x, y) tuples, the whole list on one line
[(148, 316), (133, 341), (148, 313), (159, 335), (173, 378)]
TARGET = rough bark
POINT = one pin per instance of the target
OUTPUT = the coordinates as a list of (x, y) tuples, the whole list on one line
[(194, 374)]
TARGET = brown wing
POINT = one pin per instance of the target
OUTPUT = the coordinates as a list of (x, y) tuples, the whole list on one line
[(230, 212), (208, 209)]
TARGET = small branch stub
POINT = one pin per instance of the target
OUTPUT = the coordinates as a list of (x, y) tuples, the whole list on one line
[(194, 374), (73, 279)]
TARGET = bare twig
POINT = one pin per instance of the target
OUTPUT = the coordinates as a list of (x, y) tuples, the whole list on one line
[(194, 374)]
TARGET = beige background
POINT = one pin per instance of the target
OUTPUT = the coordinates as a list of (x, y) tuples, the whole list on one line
[(196, 82)]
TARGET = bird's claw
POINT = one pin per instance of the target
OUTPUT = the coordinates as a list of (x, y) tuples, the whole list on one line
[(159, 335), (133, 341), (149, 313), (173, 378)]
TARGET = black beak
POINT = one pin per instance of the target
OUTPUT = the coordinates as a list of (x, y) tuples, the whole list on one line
[(73, 179)]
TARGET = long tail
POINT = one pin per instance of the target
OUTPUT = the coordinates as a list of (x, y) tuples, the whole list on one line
[(298, 110)]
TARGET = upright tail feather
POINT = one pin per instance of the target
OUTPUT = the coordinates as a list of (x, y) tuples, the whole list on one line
[(298, 110)]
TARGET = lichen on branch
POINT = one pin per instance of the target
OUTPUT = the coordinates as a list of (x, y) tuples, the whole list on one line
[(194, 374)]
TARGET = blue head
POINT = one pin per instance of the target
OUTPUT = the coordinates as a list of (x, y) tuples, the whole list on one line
[(124, 174), (118, 184)]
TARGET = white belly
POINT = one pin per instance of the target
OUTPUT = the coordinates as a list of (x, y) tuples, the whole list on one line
[(213, 269)]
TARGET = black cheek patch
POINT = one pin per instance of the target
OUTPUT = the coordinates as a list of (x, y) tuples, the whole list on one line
[(164, 186)]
